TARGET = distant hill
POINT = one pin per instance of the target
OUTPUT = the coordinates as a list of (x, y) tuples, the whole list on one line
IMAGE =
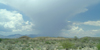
[(14, 36), (1, 36), (30, 35), (17, 36)]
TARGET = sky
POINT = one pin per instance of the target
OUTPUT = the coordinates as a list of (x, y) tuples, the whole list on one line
[(65, 18)]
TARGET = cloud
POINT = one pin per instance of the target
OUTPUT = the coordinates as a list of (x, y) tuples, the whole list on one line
[(79, 32), (50, 16), (12, 21), (92, 23), (2, 29), (81, 29)]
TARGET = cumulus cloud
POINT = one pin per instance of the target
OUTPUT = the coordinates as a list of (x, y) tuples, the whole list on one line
[(82, 29), (92, 23), (79, 32), (12, 21), (49, 16)]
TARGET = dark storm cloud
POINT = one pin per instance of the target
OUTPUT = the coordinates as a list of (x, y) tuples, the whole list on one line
[(51, 27), (2, 29)]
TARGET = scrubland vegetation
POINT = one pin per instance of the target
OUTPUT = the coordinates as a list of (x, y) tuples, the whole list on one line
[(50, 43)]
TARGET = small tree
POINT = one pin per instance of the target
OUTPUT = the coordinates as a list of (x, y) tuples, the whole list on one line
[(67, 45), (75, 38)]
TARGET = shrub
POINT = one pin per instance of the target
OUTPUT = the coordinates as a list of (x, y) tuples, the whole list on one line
[(42, 39), (47, 42), (10, 47), (0, 39), (67, 45), (98, 46), (24, 37), (75, 38), (85, 39)]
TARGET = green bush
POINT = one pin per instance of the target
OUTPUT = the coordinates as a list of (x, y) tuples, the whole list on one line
[(85, 39), (98, 46), (67, 45), (0, 39), (47, 42)]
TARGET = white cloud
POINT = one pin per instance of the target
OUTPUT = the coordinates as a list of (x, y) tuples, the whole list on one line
[(95, 30), (74, 28), (79, 32), (14, 21), (93, 23), (77, 29)]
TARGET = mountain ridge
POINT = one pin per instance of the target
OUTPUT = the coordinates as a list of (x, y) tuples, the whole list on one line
[(17, 36)]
